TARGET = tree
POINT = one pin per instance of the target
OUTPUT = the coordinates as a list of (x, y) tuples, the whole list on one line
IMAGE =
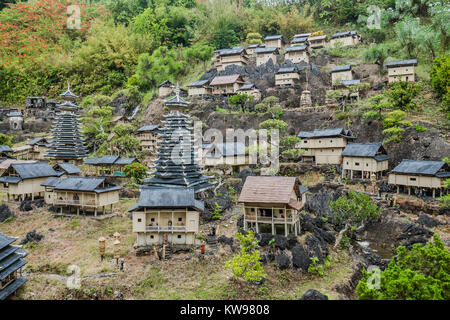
[(421, 273), (241, 101), (273, 124), (401, 95), (288, 146), (394, 122), (96, 128), (5, 140), (254, 38), (136, 172), (246, 264), (377, 55), (199, 53)]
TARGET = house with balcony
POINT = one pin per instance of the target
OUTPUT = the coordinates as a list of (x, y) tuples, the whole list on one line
[(300, 41), (227, 85), (166, 215), (227, 57), (420, 176), (287, 77), (361, 160), (272, 204), (297, 54), (199, 88), (401, 70), (81, 194), (225, 153), (265, 54), (317, 42), (5, 152), (251, 48), (148, 137), (339, 73), (274, 41), (11, 264), (108, 166), (324, 146), (23, 152), (22, 180), (346, 38)]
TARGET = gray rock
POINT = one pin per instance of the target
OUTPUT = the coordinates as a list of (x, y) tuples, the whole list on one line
[(300, 258), (282, 261), (5, 212), (313, 294)]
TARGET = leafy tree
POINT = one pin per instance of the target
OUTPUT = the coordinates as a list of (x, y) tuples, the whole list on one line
[(136, 172), (377, 55), (199, 53), (422, 273), (5, 140), (246, 264), (401, 94), (241, 101), (96, 126), (123, 11), (394, 122), (254, 38), (289, 151), (271, 124), (354, 209)]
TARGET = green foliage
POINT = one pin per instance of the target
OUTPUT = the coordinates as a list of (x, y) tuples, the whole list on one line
[(353, 209), (318, 269), (394, 122), (217, 212), (440, 80), (422, 273), (241, 101), (401, 94), (254, 38), (376, 54), (420, 128), (5, 140), (372, 115), (96, 125), (345, 242), (246, 264), (136, 172), (273, 124), (288, 147), (199, 53)]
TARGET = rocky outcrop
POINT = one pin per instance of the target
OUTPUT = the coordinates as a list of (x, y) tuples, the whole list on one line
[(33, 237), (282, 261), (300, 258), (313, 294), (5, 212)]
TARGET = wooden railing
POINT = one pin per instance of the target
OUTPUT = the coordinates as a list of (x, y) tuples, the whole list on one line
[(253, 218), (76, 202), (165, 228)]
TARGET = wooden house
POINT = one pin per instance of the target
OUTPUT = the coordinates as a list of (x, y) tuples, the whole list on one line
[(297, 54), (401, 70), (287, 76), (361, 160), (344, 87), (108, 165), (227, 153), (275, 41), (199, 88), (250, 89), (6, 151), (317, 42), (165, 89), (271, 203), (251, 49), (24, 179), (11, 264), (302, 35), (166, 216), (346, 38), (227, 84), (300, 41), (265, 54), (23, 152), (339, 73), (234, 56), (6, 163), (148, 137), (66, 169), (419, 176), (81, 193), (324, 146), (39, 148)]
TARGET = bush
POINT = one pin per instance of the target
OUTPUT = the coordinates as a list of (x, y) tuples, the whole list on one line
[(422, 273), (420, 128), (401, 95), (136, 172)]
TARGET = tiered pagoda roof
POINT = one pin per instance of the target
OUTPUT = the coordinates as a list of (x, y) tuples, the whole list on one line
[(10, 262), (176, 165), (67, 142)]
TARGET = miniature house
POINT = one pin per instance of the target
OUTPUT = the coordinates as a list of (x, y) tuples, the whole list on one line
[(250, 89), (39, 148), (227, 57), (272, 203), (15, 120), (199, 88), (275, 41), (166, 88), (420, 176), (108, 165), (347, 38), (11, 264), (5, 151), (24, 179), (23, 152), (66, 169), (251, 49), (287, 76), (228, 153), (81, 193), (361, 160), (317, 42), (148, 138), (297, 54), (265, 54), (6, 163), (324, 146), (227, 84), (300, 41), (402, 70), (344, 87), (339, 73)]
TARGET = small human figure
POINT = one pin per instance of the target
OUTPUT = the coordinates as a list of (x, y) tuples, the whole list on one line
[(122, 262), (121, 295)]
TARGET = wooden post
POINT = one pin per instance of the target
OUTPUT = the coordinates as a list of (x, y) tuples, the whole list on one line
[(102, 247), (434, 193), (285, 223), (398, 189), (351, 174), (155, 253), (163, 255), (409, 191), (116, 250)]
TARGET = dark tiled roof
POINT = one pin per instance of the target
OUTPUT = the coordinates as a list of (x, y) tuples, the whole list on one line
[(199, 83), (420, 167), (10, 261), (221, 80), (400, 63), (15, 114), (148, 128), (287, 70), (299, 39), (274, 37), (347, 67), (166, 83), (4, 148), (349, 82), (247, 86), (89, 184), (303, 189), (168, 198), (125, 161), (227, 149), (301, 35), (365, 150), (109, 160), (8, 179), (296, 48), (38, 141), (265, 50), (317, 37), (69, 167), (5, 240), (34, 170), (232, 52), (335, 132), (344, 34)]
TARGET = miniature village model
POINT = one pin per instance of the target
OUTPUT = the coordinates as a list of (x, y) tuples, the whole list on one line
[(273, 151)]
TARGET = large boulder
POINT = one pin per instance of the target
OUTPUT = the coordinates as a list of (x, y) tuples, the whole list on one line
[(300, 258), (282, 261), (428, 221), (32, 236), (413, 233), (5, 212), (25, 206), (313, 294), (316, 248)]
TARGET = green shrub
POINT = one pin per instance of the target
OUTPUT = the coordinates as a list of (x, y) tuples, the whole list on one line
[(420, 128)]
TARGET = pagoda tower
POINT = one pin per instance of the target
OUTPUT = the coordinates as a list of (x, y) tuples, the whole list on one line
[(176, 103), (67, 143)]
